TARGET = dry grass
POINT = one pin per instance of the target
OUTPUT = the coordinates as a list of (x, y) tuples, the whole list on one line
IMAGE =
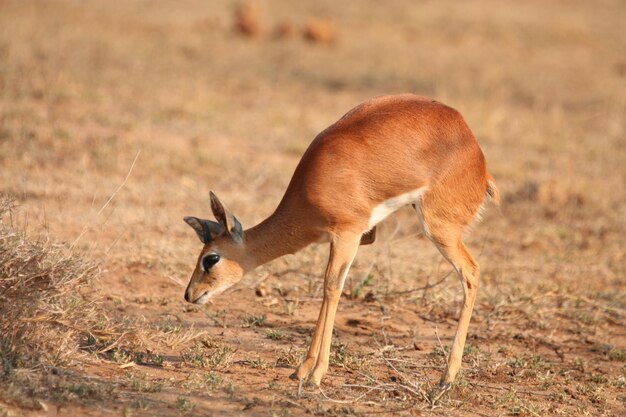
[(48, 320), (51, 319), (43, 308)]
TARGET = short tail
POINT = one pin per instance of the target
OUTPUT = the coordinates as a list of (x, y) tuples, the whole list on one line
[(492, 190)]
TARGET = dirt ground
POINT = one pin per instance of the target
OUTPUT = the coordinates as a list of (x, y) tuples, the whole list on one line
[(117, 118)]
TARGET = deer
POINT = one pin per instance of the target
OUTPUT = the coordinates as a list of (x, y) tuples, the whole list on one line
[(385, 153)]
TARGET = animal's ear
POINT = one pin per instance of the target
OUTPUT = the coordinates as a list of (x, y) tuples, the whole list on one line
[(207, 230), (226, 219)]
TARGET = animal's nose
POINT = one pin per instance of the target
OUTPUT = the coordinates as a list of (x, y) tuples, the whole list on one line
[(188, 295)]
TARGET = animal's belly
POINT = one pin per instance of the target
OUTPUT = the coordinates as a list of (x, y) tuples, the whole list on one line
[(387, 207)]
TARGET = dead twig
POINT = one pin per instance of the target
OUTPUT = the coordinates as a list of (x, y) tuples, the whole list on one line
[(541, 394), (87, 227), (424, 288), (351, 401)]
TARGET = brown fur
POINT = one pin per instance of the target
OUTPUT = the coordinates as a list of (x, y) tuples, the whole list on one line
[(381, 149)]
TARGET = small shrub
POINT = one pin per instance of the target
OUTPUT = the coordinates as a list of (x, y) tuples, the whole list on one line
[(254, 321), (139, 383), (340, 355), (258, 364), (275, 334), (203, 357), (184, 405)]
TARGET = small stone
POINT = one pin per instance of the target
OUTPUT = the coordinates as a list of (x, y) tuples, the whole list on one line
[(320, 31)]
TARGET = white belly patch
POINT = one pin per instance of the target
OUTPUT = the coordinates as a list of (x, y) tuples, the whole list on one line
[(387, 207)]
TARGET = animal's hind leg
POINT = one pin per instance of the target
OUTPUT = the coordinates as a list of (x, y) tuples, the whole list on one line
[(468, 271), (446, 235)]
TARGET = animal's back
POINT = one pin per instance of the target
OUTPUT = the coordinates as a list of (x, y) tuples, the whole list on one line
[(381, 149)]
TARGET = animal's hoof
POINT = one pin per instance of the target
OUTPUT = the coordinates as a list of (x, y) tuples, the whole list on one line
[(301, 382), (436, 393), (314, 382), (315, 379)]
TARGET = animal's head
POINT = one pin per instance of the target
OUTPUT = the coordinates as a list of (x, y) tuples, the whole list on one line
[(217, 268)]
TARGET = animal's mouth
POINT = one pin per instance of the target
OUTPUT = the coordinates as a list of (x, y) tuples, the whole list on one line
[(203, 298), (207, 295)]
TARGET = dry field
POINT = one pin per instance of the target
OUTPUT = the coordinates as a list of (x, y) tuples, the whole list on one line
[(117, 118)]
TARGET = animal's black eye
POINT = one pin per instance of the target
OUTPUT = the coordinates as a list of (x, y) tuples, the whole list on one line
[(209, 260)]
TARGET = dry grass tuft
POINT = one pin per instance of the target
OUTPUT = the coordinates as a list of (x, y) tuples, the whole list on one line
[(42, 308), (49, 318), (46, 314)]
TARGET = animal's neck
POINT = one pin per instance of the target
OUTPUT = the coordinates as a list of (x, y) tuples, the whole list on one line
[(278, 235)]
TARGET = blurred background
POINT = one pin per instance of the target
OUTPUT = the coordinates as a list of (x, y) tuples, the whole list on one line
[(117, 118)]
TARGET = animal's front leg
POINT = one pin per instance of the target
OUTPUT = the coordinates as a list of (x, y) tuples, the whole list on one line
[(343, 249), (305, 367), (322, 360)]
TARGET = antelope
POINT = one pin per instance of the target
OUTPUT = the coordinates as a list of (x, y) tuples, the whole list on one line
[(385, 153)]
